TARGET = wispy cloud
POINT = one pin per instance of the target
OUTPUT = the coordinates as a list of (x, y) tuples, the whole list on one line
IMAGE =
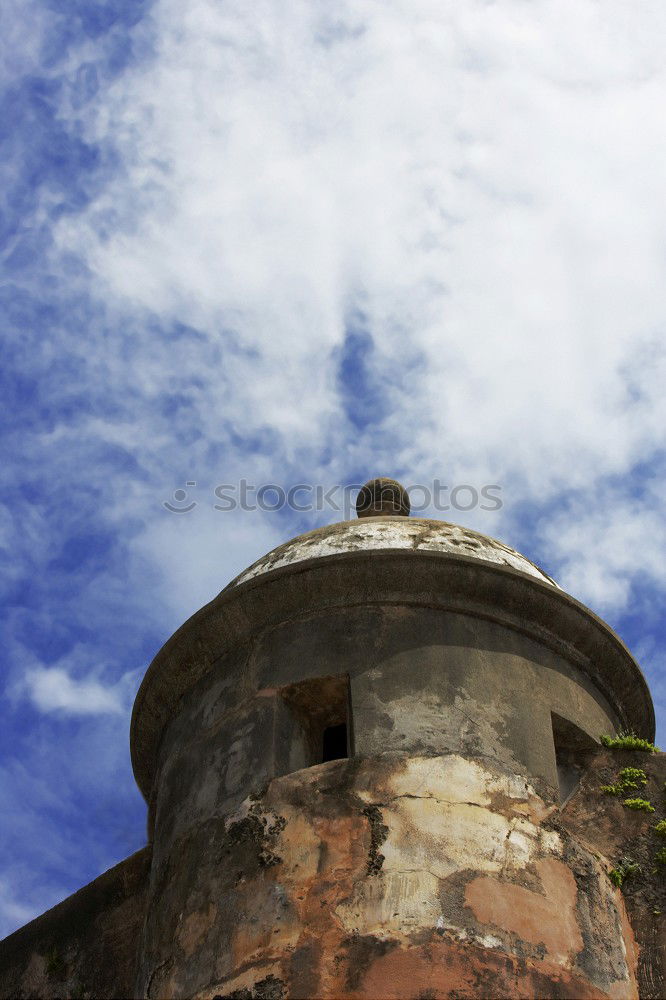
[(606, 546), (53, 690), (482, 184), (300, 244)]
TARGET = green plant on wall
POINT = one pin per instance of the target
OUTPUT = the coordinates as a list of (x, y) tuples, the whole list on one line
[(627, 740), (624, 870), (640, 805), (633, 777), (630, 779)]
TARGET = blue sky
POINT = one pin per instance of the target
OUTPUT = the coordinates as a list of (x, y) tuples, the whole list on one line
[(305, 243)]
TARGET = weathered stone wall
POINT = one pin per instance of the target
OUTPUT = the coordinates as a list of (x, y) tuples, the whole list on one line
[(390, 876), (86, 946), (421, 681), (454, 775), (481, 626), (626, 837)]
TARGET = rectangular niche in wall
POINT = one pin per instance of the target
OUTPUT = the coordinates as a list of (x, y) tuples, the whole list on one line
[(317, 722), (572, 746)]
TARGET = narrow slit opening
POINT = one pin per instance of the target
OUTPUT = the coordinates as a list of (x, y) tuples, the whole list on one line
[(321, 727), (335, 742)]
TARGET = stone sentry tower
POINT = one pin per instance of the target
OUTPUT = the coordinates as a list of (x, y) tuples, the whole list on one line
[(354, 759)]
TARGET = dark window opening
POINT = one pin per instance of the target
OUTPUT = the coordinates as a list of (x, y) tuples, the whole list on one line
[(335, 742), (572, 748), (321, 724)]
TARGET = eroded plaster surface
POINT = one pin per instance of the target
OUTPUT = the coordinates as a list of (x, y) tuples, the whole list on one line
[(396, 876), (391, 876), (418, 534)]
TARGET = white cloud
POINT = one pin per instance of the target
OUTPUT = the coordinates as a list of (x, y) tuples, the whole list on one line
[(486, 181), (51, 689), (199, 553), (605, 546), (25, 25)]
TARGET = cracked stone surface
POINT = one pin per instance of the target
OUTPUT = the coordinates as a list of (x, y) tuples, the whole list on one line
[(393, 876)]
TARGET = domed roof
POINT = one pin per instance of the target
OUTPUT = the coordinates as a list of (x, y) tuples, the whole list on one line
[(390, 532)]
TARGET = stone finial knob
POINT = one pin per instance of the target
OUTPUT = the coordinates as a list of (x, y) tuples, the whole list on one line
[(382, 498)]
